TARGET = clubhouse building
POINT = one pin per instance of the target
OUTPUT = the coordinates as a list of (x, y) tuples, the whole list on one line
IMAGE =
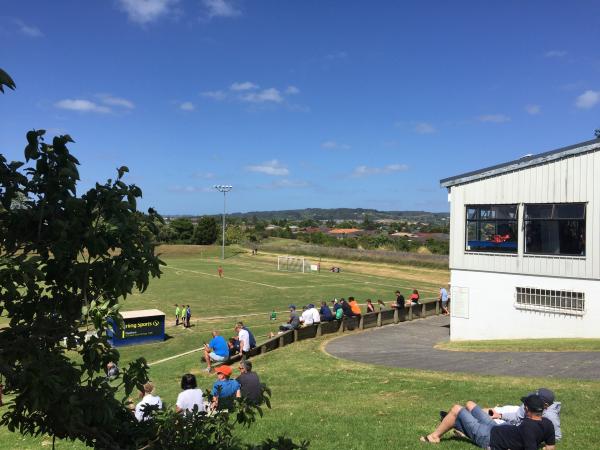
[(525, 247)]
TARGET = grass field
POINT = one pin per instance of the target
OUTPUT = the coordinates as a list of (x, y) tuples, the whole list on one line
[(524, 345), (335, 404)]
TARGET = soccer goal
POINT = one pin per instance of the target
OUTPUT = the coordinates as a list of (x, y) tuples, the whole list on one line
[(292, 264)]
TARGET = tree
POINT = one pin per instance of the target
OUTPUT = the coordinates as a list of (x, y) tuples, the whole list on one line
[(597, 133), (64, 259), (183, 228), (206, 231)]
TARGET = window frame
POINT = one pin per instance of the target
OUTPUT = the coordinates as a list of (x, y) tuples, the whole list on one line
[(479, 220), (526, 222)]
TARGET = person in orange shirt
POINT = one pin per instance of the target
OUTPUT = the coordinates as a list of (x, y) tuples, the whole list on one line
[(354, 307)]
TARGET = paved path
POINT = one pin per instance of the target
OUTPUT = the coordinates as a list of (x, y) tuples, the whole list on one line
[(410, 345)]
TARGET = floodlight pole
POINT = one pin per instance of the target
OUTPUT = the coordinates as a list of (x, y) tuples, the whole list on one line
[(224, 189)]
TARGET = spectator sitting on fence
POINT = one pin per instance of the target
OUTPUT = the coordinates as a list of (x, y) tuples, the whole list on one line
[(514, 415), (381, 305), (190, 396), (306, 319), (148, 403), (370, 307), (399, 303), (325, 312), (224, 390), (346, 308), (414, 297), (338, 310), (315, 313), (250, 335), (250, 386), (294, 321), (234, 346), (243, 338), (216, 350), (356, 311)]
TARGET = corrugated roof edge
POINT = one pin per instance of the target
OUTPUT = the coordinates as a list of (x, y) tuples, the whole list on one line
[(522, 163)]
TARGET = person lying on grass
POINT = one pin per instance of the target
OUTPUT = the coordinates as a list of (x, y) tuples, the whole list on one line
[(514, 414), (480, 428)]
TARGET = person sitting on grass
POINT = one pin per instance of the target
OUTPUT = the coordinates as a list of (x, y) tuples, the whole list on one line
[(250, 386), (224, 390), (148, 403), (112, 371), (480, 428), (294, 321), (325, 312), (190, 397), (216, 350), (514, 415)]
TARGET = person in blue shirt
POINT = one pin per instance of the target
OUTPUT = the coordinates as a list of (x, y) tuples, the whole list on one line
[(216, 350), (326, 312), (225, 390)]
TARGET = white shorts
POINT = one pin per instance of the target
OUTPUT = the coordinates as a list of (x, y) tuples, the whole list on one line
[(216, 357)]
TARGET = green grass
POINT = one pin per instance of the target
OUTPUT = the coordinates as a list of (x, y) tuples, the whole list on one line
[(523, 345), (335, 404)]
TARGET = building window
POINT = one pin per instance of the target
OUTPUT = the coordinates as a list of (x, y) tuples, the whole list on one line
[(491, 228), (555, 229), (567, 302)]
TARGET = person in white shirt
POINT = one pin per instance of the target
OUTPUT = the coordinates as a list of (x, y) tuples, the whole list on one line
[(316, 317), (244, 339), (190, 397), (148, 399), (307, 317)]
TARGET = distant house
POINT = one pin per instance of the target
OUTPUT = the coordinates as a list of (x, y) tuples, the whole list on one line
[(525, 247), (272, 227), (341, 233), (312, 230)]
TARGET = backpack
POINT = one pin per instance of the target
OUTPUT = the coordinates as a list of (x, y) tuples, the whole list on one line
[(252, 338)]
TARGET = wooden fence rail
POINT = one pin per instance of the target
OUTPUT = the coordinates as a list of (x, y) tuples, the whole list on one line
[(429, 307)]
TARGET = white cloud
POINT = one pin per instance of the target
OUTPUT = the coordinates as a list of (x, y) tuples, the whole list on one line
[(292, 90), (243, 86), (82, 106), (266, 95), (555, 53), (272, 167), (187, 106), (284, 184), (334, 145), (189, 189), (494, 118), (221, 8), (215, 95), (146, 11), (28, 30), (116, 101), (533, 109), (424, 128), (336, 55), (363, 171), (588, 99), (205, 175)]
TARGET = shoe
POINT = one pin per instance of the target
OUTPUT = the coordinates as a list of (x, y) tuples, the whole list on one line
[(443, 414), (207, 370), (427, 440)]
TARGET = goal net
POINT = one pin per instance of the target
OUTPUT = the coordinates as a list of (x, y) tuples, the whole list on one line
[(292, 264)]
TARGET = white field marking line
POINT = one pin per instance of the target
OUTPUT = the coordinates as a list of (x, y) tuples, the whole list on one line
[(153, 363), (314, 286), (228, 278)]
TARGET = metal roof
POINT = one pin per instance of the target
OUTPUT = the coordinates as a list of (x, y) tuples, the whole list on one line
[(521, 163)]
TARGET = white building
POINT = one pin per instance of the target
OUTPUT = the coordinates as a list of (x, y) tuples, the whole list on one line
[(525, 247)]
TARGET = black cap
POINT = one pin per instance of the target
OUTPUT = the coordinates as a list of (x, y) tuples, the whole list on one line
[(546, 394), (534, 403)]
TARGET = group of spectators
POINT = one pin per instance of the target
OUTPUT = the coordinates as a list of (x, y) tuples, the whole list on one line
[(224, 390), (341, 308), (219, 350), (535, 421)]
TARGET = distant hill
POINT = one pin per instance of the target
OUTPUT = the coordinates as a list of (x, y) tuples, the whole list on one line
[(341, 214)]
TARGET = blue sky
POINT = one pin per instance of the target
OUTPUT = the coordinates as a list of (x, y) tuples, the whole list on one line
[(299, 103)]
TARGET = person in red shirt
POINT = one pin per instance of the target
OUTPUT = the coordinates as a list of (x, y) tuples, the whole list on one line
[(414, 297), (220, 272)]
